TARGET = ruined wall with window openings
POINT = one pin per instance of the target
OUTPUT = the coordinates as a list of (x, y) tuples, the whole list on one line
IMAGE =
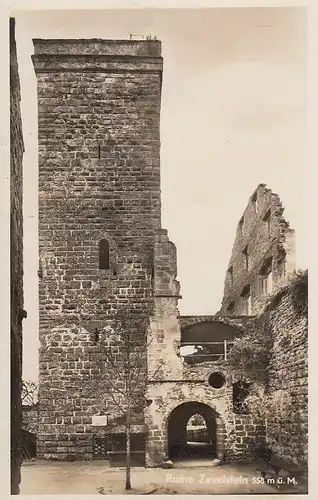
[(263, 255)]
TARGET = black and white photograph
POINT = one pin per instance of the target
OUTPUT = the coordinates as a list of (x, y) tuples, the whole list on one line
[(159, 251)]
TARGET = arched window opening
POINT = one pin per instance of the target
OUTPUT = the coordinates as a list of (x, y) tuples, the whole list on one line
[(103, 254), (192, 432), (197, 431)]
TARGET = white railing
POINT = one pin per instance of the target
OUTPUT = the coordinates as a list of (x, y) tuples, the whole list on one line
[(219, 355)]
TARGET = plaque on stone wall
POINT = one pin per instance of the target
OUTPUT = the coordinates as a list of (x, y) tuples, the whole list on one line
[(99, 420)]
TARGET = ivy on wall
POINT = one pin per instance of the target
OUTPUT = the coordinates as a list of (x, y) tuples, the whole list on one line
[(250, 355)]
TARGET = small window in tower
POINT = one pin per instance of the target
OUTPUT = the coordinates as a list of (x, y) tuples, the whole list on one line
[(267, 221), (254, 201), (103, 254), (245, 258), (246, 301), (241, 226)]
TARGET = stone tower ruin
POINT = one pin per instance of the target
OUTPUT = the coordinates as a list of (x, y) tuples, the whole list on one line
[(99, 209), (102, 251)]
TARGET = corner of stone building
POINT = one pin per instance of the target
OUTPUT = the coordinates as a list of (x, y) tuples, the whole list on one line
[(16, 261), (164, 336), (164, 333)]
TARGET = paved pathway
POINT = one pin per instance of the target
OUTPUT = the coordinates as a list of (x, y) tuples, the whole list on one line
[(41, 477)]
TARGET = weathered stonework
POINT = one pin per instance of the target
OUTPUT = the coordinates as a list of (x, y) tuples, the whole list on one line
[(99, 178), (16, 259), (262, 236), (287, 428), (99, 182), (30, 418), (277, 313), (176, 386), (248, 434)]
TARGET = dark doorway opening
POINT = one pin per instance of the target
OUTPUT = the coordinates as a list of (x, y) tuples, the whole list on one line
[(28, 445), (112, 447), (184, 441)]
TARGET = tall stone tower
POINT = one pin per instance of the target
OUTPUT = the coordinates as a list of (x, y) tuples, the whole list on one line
[(99, 209)]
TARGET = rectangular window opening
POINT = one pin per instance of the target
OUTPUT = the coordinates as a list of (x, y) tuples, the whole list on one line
[(246, 301), (254, 201), (245, 258), (281, 264), (230, 275), (266, 277), (267, 221), (241, 226)]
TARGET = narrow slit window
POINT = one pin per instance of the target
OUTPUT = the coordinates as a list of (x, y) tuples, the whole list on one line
[(266, 277), (241, 227), (103, 254), (281, 264), (230, 275), (246, 301), (245, 258), (254, 201), (267, 221)]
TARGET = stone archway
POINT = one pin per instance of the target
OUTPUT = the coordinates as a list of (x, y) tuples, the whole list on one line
[(178, 446)]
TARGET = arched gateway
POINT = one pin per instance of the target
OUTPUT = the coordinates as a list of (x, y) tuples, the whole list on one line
[(211, 443)]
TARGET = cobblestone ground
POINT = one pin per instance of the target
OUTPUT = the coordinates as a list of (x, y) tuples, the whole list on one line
[(97, 477)]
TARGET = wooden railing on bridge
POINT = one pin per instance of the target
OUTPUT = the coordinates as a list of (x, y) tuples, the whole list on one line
[(222, 347)]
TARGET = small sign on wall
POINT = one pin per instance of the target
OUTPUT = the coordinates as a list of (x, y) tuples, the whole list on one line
[(99, 420)]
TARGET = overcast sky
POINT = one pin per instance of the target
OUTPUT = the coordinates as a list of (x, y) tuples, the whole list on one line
[(233, 116)]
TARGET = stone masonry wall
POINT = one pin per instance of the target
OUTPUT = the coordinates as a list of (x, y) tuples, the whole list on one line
[(16, 256), (168, 396), (172, 382), (99, 178), (287, 427), (248, 434), (30, 418), (164, 330), (262, 243)]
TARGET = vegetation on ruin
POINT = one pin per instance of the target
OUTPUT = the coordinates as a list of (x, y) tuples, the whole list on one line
[(123, 374), (297, 287), (250, 355), (29, 393)]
